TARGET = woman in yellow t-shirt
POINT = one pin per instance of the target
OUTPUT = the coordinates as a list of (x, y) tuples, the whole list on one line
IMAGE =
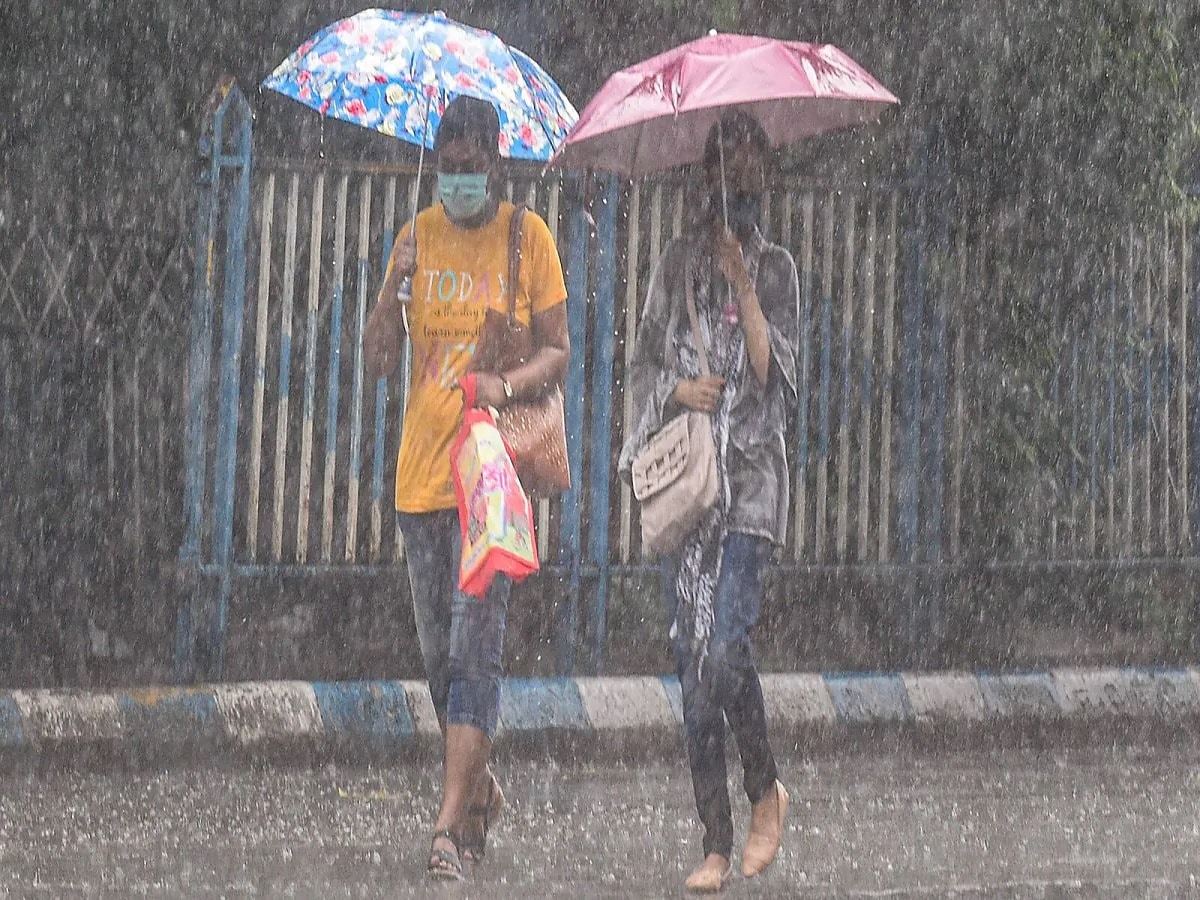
[(458, 265)]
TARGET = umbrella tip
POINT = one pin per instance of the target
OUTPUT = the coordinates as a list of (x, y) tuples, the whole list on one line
[(712, 32)]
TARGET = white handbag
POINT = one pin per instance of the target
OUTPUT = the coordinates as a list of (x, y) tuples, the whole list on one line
[(675, 475)]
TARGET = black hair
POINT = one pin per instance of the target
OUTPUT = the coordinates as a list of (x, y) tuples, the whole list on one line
[(473, 119), (736, 125)]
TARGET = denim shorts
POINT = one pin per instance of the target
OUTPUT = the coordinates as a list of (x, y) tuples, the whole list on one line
[(462, 637)]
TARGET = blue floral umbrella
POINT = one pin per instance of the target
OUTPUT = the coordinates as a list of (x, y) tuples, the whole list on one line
[(396, 71)]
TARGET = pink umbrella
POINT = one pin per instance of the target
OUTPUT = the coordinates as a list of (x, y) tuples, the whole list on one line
[(656, 114)]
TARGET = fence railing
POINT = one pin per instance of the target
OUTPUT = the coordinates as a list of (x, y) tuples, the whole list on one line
[(971, 393)]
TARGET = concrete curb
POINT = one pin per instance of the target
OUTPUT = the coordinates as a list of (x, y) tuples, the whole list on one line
[(395, 719)]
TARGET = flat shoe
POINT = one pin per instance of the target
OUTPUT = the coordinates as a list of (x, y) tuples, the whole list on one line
[(445, 865), (761, 848), (709, 879), (474, 838)]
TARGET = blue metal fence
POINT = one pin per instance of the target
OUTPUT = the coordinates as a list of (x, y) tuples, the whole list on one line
[(914, 421)]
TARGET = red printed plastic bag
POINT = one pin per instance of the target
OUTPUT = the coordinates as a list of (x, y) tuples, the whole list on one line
[(494, 512)]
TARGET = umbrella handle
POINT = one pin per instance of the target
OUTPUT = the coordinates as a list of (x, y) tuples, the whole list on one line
[(724, 191), (404, 293), (421, 161)]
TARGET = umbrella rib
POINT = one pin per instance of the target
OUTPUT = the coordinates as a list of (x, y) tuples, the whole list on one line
[(538, 119)]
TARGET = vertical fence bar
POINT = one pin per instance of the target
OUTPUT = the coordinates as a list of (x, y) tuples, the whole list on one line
[(334, 369), (933, 467), (785, 221), (1193, 386), (1184, 388), (888, 378), (843, 464), (787, 239), (633, 241), (379, 450), (1074, 414), (990, 284), (823, 436), (654, 249), (867, 406), (406, 358), (1094, 410), (570, 526), (602, 408), (912, 406), (1111, 443), (543, 511), (1052, 509), (1165, 493), (1129, 376), (310, 367), (1145, 342), (110, 428), (960, 367), (356, 389), (162, 422), (260, 367), (135, 413), (285, 365)]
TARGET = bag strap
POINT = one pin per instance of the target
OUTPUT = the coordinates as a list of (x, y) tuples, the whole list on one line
[(697, 337), (514, 260)]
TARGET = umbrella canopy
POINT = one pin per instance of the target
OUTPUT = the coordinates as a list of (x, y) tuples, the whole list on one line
[(396, 71), (656, 114)]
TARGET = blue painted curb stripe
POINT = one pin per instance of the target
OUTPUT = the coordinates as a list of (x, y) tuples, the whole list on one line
[(537, 704), (869, 699), (12, 730), (186, 716), (374, 713), (383, 715)]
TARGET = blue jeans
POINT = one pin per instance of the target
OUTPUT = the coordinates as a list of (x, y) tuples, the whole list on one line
[(462, 637), (728, 689)]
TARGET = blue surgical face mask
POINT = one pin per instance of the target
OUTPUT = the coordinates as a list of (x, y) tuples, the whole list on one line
[(464, 196)]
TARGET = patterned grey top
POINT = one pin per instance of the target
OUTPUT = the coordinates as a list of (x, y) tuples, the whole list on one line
[(757, 492)]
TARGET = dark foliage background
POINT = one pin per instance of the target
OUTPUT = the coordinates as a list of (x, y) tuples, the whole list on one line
[(1085, 105)]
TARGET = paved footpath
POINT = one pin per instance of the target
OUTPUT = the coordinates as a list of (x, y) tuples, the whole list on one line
[(1072, 782), (1120, 823)]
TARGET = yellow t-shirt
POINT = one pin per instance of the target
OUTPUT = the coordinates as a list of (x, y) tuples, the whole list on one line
[(460, 274)]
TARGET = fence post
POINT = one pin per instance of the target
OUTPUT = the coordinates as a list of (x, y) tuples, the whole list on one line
[(227, 100), (1193, 192), (1193, 387), (570, 528)]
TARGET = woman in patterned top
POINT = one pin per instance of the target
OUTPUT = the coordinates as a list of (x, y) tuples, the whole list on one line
[(747, 300)]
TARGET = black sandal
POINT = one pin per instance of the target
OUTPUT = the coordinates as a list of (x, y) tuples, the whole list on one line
[(474, 842), (445, 864)]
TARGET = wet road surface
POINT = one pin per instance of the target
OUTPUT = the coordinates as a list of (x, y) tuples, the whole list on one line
[(1118, 823)]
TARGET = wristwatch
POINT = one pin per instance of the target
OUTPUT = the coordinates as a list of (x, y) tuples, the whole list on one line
[(507, 390)]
